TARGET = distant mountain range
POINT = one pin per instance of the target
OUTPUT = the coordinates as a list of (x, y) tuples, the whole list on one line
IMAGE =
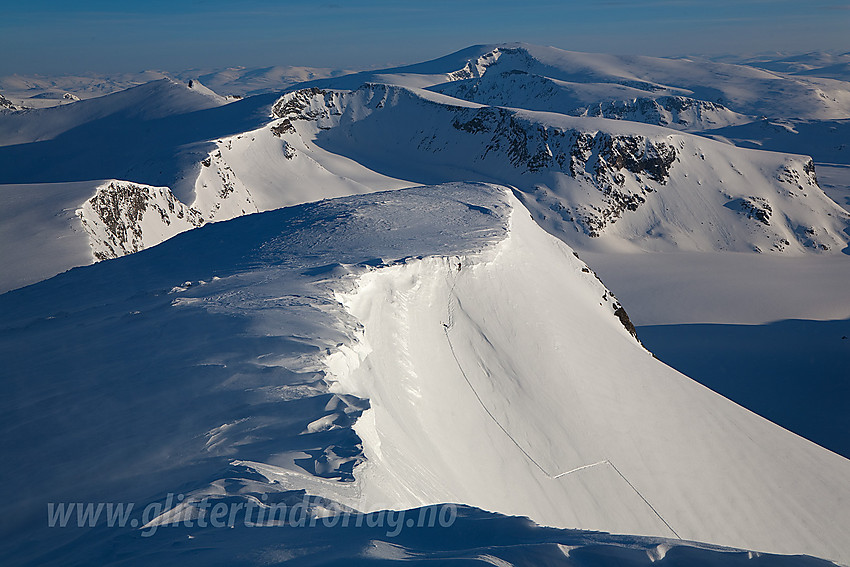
[(365, 292)]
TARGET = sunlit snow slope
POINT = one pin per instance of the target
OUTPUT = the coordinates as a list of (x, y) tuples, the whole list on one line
[(593, 144), (547, 78), (387, 350)]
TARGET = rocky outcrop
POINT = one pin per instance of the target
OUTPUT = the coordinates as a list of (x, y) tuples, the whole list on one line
[(476, 68), (604, 160), (123, 217), (521, 89), (6, 104), (581, 176), (219, 193), (671, 111)]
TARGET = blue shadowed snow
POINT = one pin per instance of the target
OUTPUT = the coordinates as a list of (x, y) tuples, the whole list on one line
[(795, 373)]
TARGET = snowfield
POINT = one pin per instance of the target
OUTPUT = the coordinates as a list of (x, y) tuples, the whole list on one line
[(385, 351), (375, 296), (600, 184)]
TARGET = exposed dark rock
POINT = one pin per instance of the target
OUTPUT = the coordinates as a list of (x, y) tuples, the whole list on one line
[(753, 207), (118, 210), (621, 314), (598, 157), (6, 104)]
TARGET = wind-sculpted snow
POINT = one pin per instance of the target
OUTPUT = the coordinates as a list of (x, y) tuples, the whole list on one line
[(628, 184), (205, 350), (475, 537), (389, 350)]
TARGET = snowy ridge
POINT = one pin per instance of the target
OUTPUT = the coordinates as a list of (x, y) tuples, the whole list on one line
[(597, 184), (602, 78), (429, 326), (742, 89), (123, 217), (340, 347), (151, 101), (628, 184)]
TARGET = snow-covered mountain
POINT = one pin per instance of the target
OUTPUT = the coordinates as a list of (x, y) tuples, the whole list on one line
[(152, 101), (50, 228), (592, 182), (738, 88), (596, 183), (155, 134), (816, 63), (37, 91), (365, 293), (381, 351), (520, 89)]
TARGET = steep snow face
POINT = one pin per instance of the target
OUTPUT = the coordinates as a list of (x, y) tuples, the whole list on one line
[(623, 185), (228, 198), (122, 218), (520, 89), (206, 350), (574, 423), (381, 351), (270, 167), (198, 87)]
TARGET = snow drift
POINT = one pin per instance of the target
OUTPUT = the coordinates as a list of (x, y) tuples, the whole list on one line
[(384, 351)]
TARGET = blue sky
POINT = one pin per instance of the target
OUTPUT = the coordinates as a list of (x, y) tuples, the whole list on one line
[(50, 36)]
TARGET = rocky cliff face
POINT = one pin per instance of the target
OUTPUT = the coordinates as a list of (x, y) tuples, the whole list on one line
[(615, 165), (581, 176), (679, 112), (521, 89), (603, 160), (123, 217)]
